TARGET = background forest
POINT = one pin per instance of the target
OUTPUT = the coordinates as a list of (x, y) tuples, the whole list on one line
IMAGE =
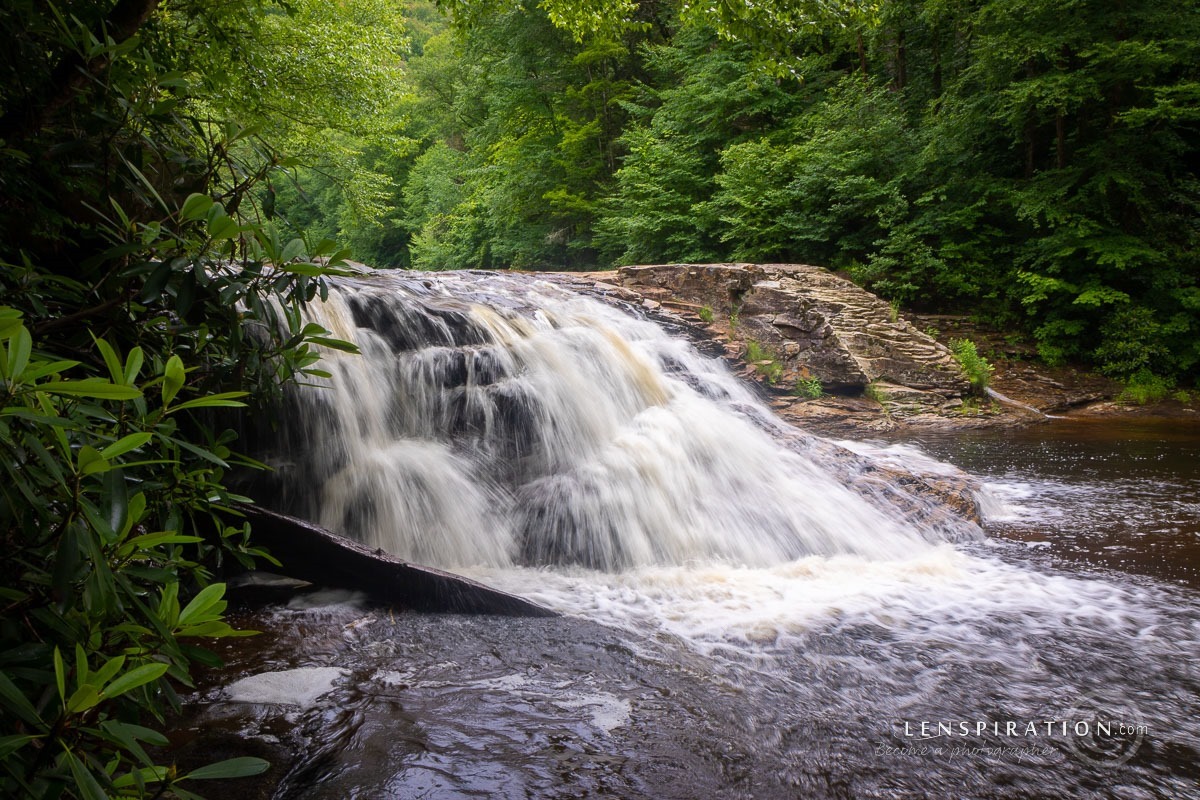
[(1031, 162), (178, 178)]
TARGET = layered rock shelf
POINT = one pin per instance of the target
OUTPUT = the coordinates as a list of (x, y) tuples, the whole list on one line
[(826, 351), (813, 323)]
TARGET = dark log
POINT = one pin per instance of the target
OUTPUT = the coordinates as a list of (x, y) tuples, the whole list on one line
[(314, 554)]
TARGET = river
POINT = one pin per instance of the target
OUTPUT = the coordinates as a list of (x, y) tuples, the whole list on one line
[(748, 655)]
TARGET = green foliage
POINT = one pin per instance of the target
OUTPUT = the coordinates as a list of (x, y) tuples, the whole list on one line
[(517, 124), (1136, 339), (1145, 387), (605, 19), (106, 486), (824, 191), (976, 367), (873, 393), (1027, 162), (976, 407), (763, 361), (809, 388), (756, 22), (146, 294), (706, 315), (704, 97), (98, 479), (439, 212), (333, 99)]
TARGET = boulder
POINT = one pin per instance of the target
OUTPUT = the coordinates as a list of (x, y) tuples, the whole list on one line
[(813, 323)]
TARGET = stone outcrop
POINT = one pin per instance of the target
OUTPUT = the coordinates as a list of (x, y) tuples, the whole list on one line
[(312, 553), (808, 323)]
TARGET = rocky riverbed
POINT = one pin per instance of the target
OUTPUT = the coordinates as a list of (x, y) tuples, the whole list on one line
[(835, 358)]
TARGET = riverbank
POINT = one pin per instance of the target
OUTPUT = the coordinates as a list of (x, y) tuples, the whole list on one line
[(1066, 390), (833, 358)]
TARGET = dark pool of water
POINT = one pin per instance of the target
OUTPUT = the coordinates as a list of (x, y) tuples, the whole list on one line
[(1081, 608), (1114, 494)]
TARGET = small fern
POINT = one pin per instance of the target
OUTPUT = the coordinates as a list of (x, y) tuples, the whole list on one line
[(977, 368)]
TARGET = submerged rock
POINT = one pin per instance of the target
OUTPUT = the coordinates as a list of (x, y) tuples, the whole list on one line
[(291, 687)]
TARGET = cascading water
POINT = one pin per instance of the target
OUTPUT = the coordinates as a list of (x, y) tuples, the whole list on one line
[(497, 421), (778, 615)]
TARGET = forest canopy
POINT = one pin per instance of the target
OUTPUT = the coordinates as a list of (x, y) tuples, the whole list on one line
[(179, 177), (1029, 162)]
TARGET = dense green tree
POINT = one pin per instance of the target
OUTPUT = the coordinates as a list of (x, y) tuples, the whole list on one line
[(829, 194), (144, 290), (1096, 104), (535, 117), (1031, 162), (701, 96)]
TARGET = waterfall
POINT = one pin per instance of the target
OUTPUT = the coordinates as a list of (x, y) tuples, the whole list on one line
[(764, 611), (496, 420)]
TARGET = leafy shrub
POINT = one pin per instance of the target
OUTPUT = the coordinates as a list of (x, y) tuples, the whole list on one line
[(99, 479), (763, 361), (755, 351), (1137, 339), (113, 506), (977, 368), (144, 294), (1145, 387)]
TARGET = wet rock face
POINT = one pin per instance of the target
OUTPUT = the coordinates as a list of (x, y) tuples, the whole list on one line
[(721, 287), (813, 324)]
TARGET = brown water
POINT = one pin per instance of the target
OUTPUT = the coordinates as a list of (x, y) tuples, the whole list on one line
[(744, 613), (811, 679), (1096, 493)]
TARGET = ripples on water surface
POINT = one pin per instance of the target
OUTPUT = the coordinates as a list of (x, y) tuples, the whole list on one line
[(789, 682), (1108, 493), (806, 676)]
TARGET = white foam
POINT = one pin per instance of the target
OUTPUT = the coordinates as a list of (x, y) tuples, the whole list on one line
[(605, 710), (300, 687), (902, 456), (1019, 500), (938, 592)]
